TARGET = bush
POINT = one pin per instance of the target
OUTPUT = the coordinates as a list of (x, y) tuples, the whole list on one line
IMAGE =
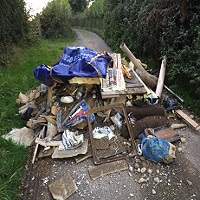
[(14, 27), (56, 20)]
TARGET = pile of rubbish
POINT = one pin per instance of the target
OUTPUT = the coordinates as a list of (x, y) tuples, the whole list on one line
[(67, 114), (97, 104)]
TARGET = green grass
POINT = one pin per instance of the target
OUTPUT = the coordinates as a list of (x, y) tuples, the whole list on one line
[(18, 77)]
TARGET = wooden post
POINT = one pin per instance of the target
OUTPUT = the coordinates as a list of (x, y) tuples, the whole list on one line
[(149, 80), (161, 77)]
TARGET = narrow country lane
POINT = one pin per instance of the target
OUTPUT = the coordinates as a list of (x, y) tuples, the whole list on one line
[(91, 40)]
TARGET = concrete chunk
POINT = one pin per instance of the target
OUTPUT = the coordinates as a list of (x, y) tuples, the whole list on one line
[(68, 153), (63, 187), (107, 168)]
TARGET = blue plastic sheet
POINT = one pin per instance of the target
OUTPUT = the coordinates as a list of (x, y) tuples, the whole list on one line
[(75, 62), (42, 74)]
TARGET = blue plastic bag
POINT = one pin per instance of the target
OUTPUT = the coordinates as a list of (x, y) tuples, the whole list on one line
[(155, 149), (75, 62)]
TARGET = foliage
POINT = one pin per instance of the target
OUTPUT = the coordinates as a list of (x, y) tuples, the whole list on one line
[(18, 77), (56, 20), (78, 5), (91, 18), (14, 27), (95, 10), (180, 42)]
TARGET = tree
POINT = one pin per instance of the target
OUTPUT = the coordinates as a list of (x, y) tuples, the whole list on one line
[(78, 5), (14, 26)]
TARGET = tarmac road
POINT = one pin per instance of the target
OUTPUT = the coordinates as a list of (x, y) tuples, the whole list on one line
[(179, 180), (91, 40)]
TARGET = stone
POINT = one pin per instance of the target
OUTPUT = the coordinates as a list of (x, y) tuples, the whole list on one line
[(153, 191), (183, 140), (142, 180), (189, 182), (150, 171), (136, 165), (63, 187), (67, 153), (180, 149), (107, 168), (130, 168), (143, 170), (23, 136), (156, 179), (142, 158)]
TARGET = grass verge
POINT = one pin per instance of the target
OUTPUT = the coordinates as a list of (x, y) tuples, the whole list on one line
[(18, 77)]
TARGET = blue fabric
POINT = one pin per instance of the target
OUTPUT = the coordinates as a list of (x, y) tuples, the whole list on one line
[(74, 63)]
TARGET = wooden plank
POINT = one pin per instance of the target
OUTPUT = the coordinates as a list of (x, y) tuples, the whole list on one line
[(148, 79), (81, 80), (135, 87), (119, 61), (45, 143), (161, 77), (134, 91), (188, 119), (114, 58)]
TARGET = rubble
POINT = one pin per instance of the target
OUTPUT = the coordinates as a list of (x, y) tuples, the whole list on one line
[(107, 168), (63, 187)]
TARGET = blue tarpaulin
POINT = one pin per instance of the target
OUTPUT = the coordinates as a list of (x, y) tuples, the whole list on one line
[(75, 62)]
